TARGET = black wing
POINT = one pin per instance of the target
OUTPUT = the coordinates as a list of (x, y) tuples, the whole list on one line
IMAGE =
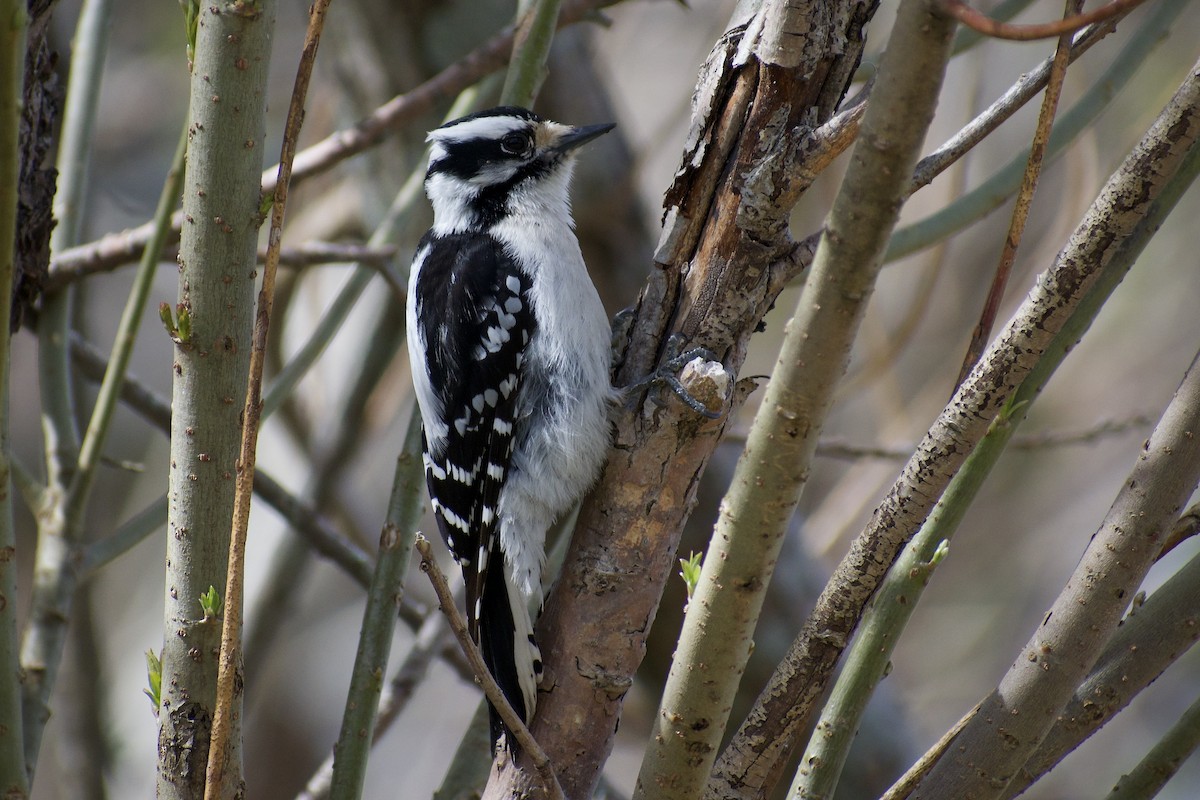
[(475, 322)]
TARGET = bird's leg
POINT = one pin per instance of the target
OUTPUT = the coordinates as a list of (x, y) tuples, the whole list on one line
[(668, 374)]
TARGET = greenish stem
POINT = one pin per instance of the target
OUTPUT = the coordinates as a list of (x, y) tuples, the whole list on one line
[(122, 351), (995, 191), (56, 570), (1163, 761), (14, 774), (222, 215), (531, 48), (54, 576), (471, 763), (131, 533), (379, 618)]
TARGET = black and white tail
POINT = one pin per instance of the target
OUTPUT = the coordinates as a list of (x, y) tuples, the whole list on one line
[(508, 646)]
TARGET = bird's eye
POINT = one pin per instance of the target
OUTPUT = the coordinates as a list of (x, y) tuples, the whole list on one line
[(514, 144)]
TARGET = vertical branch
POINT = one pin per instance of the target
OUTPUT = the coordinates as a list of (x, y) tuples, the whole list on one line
[(531, 48), (223, 768), (379, 618), (216, 294), (14, 776), (58, 533), (773, 468)]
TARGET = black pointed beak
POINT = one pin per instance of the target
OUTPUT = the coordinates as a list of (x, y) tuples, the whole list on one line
[(578, 137)]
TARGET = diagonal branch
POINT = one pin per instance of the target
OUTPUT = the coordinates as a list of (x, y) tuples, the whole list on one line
[(115, 249), (1114, 217)]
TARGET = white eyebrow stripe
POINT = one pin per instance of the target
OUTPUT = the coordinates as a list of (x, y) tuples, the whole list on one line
[(482, 128)]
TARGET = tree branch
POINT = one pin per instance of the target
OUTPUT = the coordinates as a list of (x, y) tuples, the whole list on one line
[(222, 210), (719, 264), (981, 23), (1115, 216), (115, 249)]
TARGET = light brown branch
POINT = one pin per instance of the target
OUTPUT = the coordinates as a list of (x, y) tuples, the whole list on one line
[(1024, 200), (980, 22), (495, 696)]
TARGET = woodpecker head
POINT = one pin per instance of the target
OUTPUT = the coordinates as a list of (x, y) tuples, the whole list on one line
[(500, 163)]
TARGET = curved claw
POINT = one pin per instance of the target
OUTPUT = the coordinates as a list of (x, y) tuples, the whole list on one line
[(683, 394)]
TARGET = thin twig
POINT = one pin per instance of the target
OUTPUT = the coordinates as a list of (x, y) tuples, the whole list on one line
[(524, 738), (980, 22), (1020, 215), (1187, 526), (231, 625), (305, 254)]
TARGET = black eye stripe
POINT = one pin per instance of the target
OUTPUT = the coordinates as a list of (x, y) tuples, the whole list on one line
[(466, 158)]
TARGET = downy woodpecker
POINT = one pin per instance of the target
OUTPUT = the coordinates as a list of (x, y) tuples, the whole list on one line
[(510, 357)]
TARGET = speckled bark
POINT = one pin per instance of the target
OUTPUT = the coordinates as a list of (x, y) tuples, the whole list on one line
[(217, 285)]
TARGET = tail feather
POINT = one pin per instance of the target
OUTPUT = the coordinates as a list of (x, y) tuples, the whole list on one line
[(508, 648)]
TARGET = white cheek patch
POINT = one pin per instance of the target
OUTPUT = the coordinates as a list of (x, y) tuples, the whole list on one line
[(492, 174)]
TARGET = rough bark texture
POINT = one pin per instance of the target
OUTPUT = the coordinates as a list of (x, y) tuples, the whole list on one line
[(35, 190), (1150, 638), (988, 753), (722, 259)]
